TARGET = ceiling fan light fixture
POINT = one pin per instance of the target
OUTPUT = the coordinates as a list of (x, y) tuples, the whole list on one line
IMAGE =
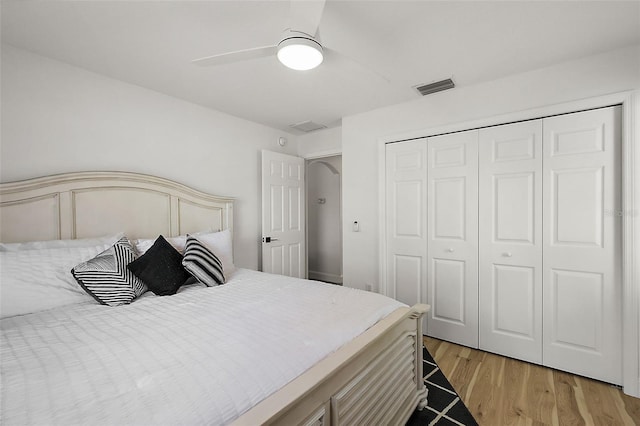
[(300, 53)]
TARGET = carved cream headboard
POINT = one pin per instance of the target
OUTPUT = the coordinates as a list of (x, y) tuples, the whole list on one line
[(91, 204)]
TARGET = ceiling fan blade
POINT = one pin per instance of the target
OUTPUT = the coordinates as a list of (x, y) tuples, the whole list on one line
[(237, 56), (305, 15), (332, 55)]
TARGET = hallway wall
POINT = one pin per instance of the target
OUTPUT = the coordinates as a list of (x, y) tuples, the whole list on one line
[(324, 231)]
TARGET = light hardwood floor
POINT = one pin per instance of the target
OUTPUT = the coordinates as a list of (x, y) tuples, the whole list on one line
[(503, 391)]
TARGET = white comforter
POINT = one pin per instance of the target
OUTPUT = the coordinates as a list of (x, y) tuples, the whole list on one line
[(203, 356)]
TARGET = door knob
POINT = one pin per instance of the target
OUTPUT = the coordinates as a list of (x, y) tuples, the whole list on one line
[(507, 254), (268, 239), (450, 250)]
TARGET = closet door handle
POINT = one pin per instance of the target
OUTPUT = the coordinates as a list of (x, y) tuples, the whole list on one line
[(507, 254), (450, 250)]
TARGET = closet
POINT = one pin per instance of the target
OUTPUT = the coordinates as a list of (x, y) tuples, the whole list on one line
[(509, 232)]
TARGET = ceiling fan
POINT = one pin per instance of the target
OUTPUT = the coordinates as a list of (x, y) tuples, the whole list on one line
[(299, 48)]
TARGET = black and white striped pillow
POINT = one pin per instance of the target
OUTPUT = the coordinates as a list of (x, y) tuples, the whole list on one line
[(202, 263), (106, 277)]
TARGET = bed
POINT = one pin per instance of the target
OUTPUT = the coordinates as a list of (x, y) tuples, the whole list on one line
[(258, 349)]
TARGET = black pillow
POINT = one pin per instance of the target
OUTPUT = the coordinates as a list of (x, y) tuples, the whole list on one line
[(160, 268)]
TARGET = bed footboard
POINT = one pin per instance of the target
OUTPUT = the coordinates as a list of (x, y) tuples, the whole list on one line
[(374, 379)]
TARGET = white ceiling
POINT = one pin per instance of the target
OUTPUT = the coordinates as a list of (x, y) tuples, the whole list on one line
[(152, 43)]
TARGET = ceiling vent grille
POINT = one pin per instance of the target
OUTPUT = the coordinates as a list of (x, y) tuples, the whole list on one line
[(438, 86), (308, 126)]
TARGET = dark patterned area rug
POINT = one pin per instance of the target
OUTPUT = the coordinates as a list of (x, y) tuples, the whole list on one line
[(445, 407)]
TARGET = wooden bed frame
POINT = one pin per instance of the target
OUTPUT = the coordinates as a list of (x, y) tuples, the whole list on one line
[(374, 379)]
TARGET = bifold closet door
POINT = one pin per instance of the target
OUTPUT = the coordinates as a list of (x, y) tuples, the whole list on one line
[(452, 204), (510, 240), (406, 222), (582, 243)]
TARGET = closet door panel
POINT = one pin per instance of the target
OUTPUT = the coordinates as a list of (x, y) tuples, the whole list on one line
[(406, 230), (449, 210), (448, 278), (513, 289), (452, 285), (577, 220), (514, 207), (408, 277), (510, 240), (582, 244)]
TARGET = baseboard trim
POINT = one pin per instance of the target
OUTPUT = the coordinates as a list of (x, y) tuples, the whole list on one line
[(323, 276)]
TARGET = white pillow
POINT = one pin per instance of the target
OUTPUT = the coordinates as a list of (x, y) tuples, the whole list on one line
[(35, 280), (220, 243), (143, 245), (80, 242)]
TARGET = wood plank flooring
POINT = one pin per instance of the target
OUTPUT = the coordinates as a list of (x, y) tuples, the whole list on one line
[(501, 391)]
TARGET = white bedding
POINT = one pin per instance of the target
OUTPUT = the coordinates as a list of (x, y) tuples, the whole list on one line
[(202, 356)]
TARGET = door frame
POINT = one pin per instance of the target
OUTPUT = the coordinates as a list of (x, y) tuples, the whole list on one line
[(630, 101)]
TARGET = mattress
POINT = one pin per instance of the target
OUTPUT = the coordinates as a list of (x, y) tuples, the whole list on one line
[(202, 356)]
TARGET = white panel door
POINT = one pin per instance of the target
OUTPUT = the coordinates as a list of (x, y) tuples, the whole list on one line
[(510, 240), (452, 205), (582, 244), (406, 221), (283, 215)]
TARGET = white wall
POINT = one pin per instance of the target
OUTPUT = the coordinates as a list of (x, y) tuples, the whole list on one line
[(320, 143), (324, 232), (611, 72), (58, 118)]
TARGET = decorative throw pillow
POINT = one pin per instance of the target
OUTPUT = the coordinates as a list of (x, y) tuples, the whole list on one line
[(142, 245), (202, 263), (106, 277), (160, 268), (221, 244)]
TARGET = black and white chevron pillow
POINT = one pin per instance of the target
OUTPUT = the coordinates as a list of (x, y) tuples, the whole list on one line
[(202, 263), (106, 277)]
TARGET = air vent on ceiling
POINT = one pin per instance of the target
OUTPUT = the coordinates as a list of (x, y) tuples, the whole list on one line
[(308, 126), (430, 88)]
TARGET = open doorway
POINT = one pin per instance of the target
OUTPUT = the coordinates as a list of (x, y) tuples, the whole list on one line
[(324, 219)]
